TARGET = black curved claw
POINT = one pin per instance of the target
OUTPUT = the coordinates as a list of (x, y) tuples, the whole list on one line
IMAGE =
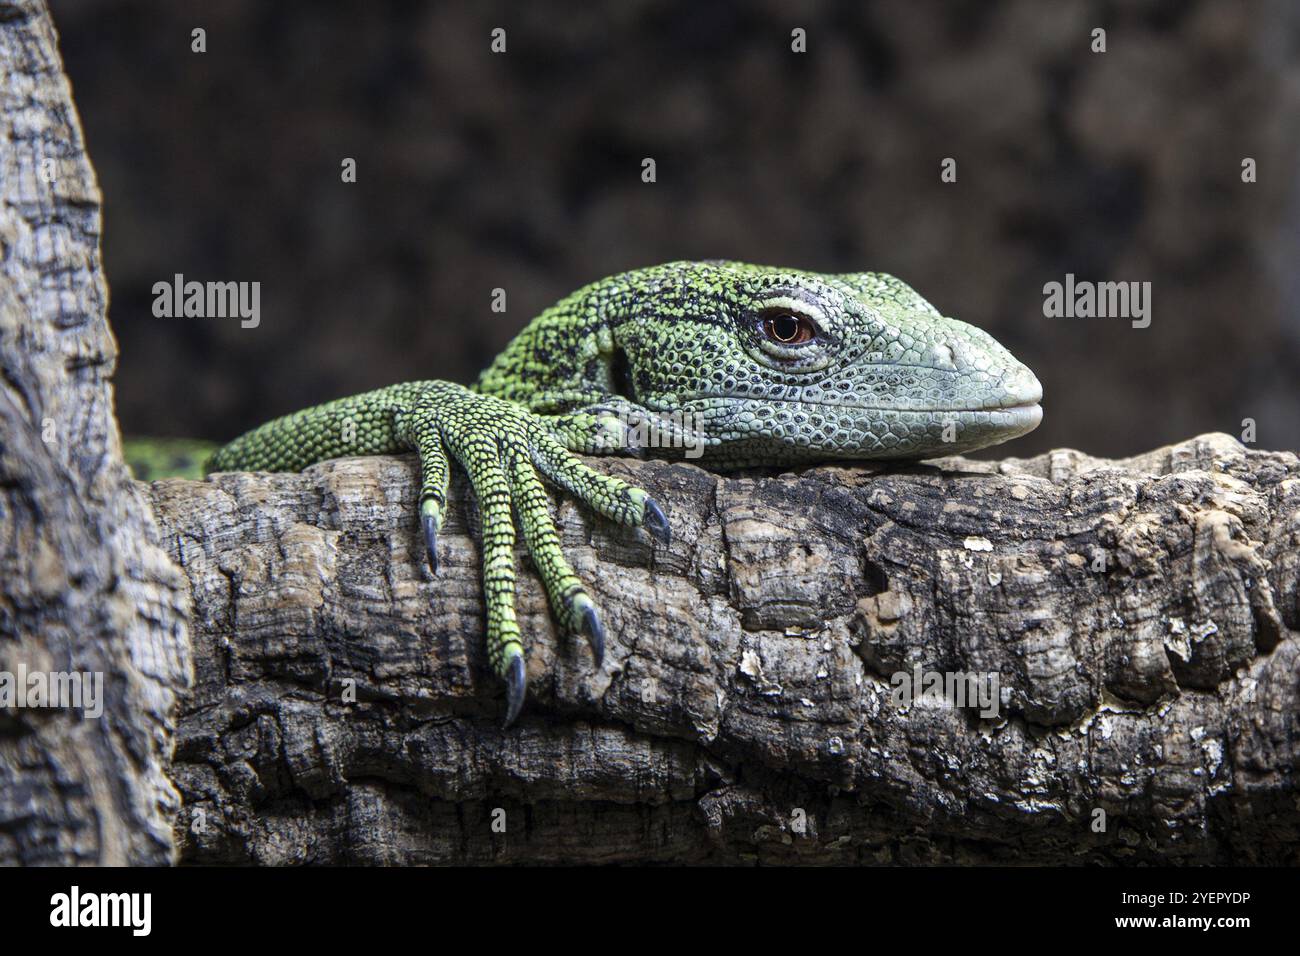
[(656, 523), (595, 632), (515, 683), (431, 540)]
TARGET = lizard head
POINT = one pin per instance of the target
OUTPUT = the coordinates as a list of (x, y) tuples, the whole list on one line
[(772, 366)]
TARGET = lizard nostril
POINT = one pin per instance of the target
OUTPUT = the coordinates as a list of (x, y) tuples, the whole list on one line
[(941, 355)]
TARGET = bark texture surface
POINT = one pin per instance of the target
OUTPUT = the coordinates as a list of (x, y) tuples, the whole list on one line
[(83, 586), (1140, 615)]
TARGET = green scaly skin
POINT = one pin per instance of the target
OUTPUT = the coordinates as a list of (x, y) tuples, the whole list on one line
[(771, 366)]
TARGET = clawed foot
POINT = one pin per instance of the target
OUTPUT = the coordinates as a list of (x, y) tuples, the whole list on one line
[(506, 453)]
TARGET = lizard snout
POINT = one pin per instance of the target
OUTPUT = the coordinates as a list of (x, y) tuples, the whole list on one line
[(1021, 388)]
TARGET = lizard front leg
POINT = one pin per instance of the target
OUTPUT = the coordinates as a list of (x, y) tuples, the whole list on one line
[(504, 449), (615, 425)]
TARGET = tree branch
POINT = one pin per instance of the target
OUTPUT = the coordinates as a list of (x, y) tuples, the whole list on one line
[(83, 586), (1137, 614)]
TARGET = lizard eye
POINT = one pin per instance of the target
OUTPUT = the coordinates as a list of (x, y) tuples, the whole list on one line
[(785, 327)]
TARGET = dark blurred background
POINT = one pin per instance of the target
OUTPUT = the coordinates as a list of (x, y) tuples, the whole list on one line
[(523, 171)]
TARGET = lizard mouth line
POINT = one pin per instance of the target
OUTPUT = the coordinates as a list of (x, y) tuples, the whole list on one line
[(1024, 408)]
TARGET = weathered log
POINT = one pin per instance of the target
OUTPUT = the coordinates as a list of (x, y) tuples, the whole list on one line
[(83, 587), (1139, 615)]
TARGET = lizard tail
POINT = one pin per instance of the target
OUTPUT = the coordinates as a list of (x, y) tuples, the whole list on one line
[(152, 458)]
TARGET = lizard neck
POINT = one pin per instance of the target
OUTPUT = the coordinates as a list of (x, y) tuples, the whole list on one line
[(564, 359)]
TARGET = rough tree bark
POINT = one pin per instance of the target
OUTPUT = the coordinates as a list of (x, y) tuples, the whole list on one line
[(1141, 616), (83, 586), (1138, 612)]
